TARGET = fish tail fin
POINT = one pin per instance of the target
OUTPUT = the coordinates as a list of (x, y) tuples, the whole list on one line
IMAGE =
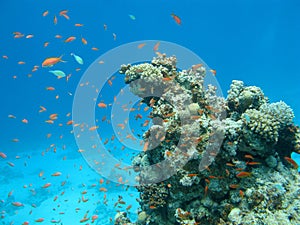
[(60, 57)]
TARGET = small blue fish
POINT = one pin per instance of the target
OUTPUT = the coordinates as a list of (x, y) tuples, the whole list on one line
[(77, 58), (247, 117), (131, 16), (58, 73)]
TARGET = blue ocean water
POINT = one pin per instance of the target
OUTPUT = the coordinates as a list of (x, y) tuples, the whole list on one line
[(253, 41)]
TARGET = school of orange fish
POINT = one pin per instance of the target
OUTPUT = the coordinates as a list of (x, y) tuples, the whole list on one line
[(50, 62)]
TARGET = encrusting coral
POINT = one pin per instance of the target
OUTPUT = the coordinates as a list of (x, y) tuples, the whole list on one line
[(227, 161)]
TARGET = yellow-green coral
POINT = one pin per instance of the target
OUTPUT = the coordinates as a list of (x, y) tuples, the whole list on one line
[(262, 124)]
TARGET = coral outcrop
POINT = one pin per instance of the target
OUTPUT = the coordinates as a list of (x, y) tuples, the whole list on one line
[(218, 161)]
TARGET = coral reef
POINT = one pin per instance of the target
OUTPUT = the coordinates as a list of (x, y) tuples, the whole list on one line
[(225, 161)]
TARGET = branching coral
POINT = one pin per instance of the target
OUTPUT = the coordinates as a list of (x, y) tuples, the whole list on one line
[(280, 112), (262, 124)]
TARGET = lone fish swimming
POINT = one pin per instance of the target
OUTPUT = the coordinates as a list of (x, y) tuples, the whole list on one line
[(48, 62)]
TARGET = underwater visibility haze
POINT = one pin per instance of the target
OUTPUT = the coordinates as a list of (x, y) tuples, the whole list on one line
[(149, 112)]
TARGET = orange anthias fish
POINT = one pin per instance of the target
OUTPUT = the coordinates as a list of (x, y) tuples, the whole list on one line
[(102, 105), (17, 204), (63, 12), (46, 185), (50, 88), (84, 41), (48, 62), (248, 156), (243, 174), (253, 163), (56, 174), (292, 162), (156, 46), (69, 39), (55, 20), (214, 72), (94, 217), (39, 220), (103, 189), (29, 36), (176, 18), (45, 13), (93, 128), (141, 45), (3, 155)]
